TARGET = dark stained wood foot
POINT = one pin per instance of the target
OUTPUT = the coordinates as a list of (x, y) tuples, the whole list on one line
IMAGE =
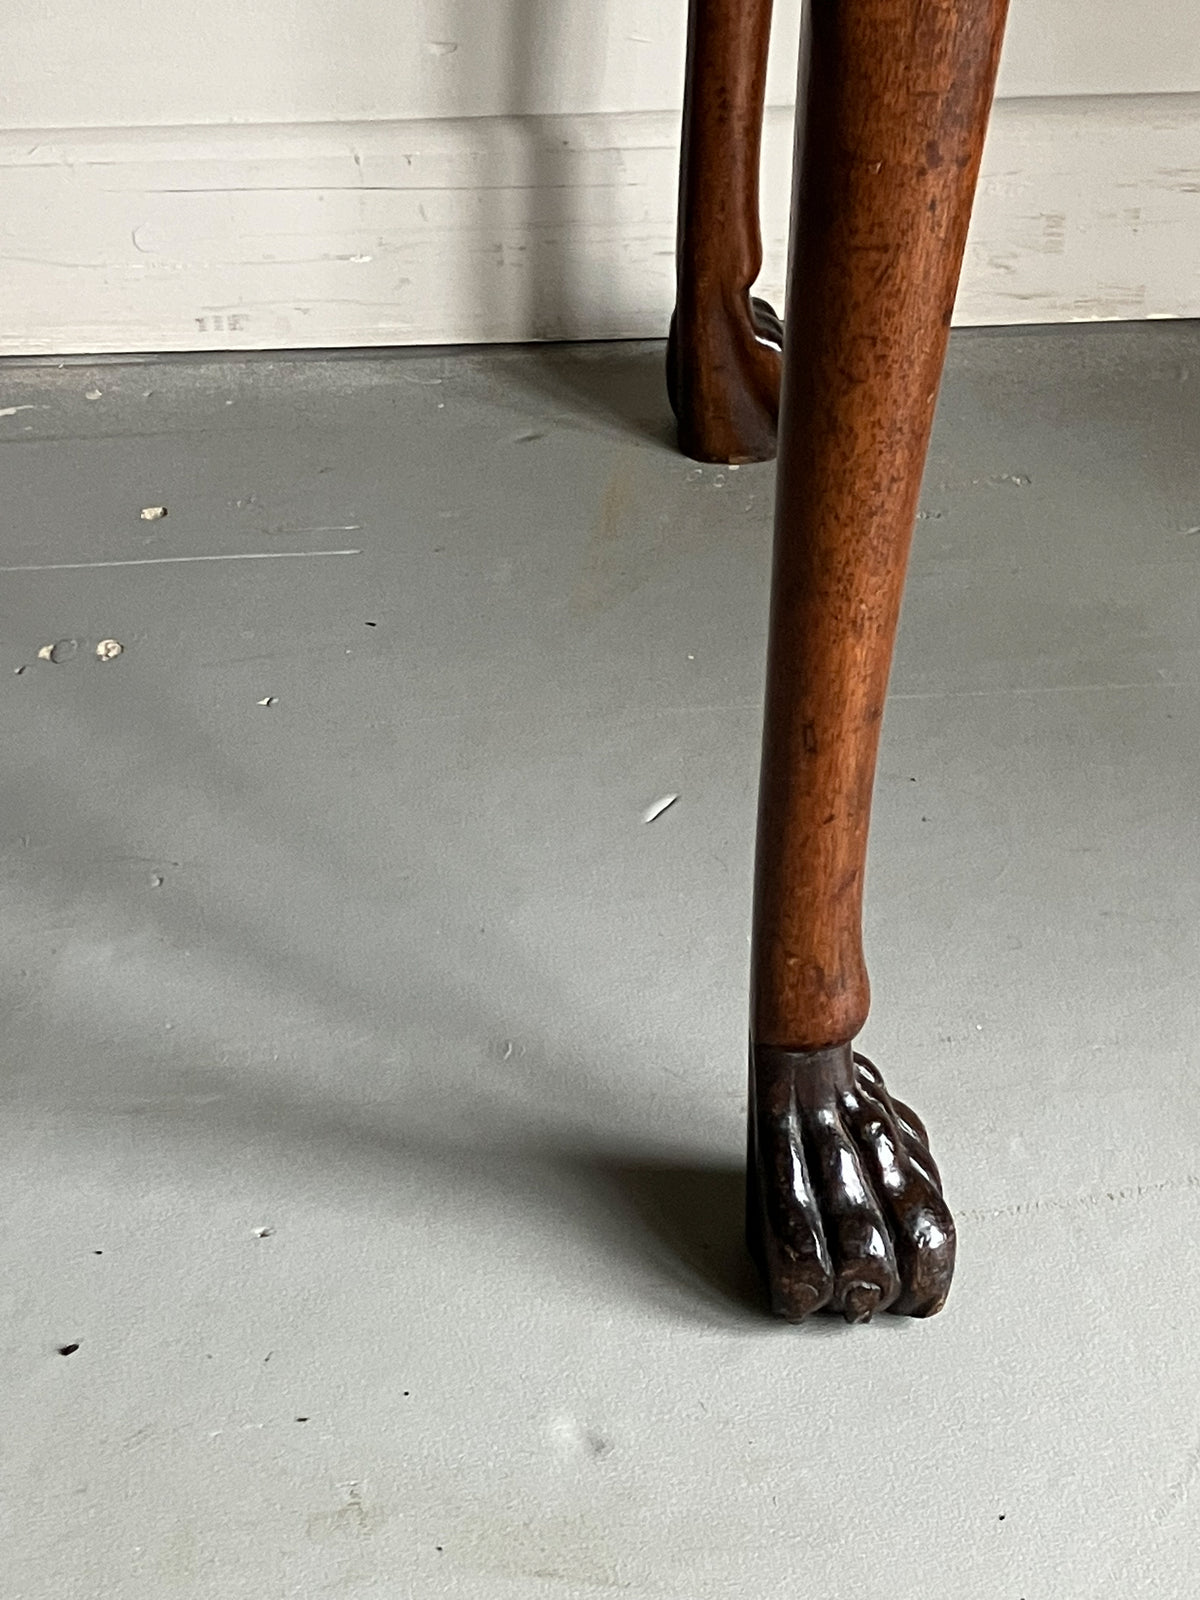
[(723, 375), (844, 1201)]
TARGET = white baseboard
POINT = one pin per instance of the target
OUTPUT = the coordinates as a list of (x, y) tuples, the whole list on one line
[(489, 229)]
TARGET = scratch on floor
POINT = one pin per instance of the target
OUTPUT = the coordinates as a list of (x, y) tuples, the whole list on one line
[(175, 561), (1131, 1194), (1176, 1493), (553, 1575), (1037, 689), (336, 527)]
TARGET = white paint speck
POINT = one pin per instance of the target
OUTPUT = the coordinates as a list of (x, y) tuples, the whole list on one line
[(109, 649), (263, 1233), (62, 650), (93, 394), (656, 810), (11, 411), (270, 700), (153, 513)]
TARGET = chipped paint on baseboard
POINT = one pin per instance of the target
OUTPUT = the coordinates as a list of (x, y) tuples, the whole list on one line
[(519, 228)]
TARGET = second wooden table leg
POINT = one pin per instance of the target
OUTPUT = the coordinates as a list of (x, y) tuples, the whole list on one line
[(723, 351), (845, 1207)]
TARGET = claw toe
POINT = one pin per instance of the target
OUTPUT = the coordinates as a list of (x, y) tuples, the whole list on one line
[(860, 1301)]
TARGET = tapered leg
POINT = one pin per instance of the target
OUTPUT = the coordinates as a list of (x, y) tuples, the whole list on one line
[(845, 1207), (723, 355)]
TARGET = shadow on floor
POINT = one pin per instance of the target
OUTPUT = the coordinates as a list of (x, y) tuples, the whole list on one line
[(620, 388), (690, 1218)]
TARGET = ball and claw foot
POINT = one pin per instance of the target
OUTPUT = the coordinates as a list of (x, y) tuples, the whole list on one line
[(723, 381), (844, 1201)]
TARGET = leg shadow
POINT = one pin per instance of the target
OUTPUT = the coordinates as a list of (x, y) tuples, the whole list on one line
[(690, 1218), (616, 387)]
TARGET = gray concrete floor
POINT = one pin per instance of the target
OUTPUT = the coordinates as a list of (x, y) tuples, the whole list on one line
[(373, 1073)]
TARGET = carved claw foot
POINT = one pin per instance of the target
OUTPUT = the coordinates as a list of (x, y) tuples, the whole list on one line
[(723, 381), (844, 1201)]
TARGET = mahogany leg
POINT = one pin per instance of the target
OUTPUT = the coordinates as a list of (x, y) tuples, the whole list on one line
[(844, 1202), (723, 354)]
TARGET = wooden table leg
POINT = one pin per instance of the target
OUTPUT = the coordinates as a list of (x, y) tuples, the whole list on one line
[(844, 1201), (723, 357)]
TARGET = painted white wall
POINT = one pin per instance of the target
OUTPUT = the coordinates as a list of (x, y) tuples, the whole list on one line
[(175, 176), (152, 63)]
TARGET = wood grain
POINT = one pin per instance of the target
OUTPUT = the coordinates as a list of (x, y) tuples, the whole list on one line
[(896, 96)]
